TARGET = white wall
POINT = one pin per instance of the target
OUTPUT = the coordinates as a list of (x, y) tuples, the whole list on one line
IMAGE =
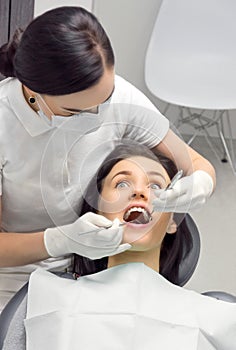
[(129, 25), (44, 5)]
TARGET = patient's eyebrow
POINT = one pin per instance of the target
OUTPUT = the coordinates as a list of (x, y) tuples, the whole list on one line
[(156, 173), (126, 172)]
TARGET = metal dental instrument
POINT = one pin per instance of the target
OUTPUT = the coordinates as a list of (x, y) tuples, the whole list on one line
[(177, 176)]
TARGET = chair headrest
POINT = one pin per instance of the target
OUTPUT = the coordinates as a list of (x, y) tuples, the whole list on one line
[(188, 265)]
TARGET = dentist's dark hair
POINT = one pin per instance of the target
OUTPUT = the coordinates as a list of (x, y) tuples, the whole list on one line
[(65, 50), (175, 247)]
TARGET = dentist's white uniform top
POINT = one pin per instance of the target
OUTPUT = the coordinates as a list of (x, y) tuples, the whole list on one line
[(45, 167), (128, 307)]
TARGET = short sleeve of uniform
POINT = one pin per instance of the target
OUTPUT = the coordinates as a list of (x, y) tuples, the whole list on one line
[(144, 123)]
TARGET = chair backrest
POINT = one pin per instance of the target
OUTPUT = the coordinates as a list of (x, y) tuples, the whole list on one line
[(191, 56), (9, 311)]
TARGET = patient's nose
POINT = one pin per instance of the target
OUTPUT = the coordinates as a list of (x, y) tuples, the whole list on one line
[(139, 194)]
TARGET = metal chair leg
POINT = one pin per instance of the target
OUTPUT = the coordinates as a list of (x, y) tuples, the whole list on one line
[(201, 123), (229, 152)]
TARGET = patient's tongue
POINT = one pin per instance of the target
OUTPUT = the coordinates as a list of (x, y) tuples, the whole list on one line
[(137, 218)]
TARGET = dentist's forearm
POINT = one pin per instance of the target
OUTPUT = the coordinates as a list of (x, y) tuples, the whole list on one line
[(21, 248), (200, 163), (185, 157)]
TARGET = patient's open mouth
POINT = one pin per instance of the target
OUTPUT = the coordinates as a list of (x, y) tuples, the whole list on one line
[(137, 215)]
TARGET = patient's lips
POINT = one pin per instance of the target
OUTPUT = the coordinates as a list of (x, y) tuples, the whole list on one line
[(137, 215), (138, 222)]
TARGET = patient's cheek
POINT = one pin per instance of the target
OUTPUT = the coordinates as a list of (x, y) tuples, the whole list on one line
[(114, 204)]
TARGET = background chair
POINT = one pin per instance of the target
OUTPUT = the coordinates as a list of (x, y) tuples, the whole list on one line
[(191, 63), (12, 333)]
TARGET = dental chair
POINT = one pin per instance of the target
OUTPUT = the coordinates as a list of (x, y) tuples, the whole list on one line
[(12, 335), (190, 64)]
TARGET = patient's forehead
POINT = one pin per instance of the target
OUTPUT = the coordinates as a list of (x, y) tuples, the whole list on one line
[(142, 164)]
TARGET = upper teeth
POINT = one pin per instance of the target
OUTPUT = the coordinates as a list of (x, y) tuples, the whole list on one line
[(140, 209)]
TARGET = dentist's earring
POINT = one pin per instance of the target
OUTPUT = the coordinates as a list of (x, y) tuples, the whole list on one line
[(32, 100)]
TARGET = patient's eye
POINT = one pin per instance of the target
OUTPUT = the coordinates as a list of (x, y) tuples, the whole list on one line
[(155, 186), (122, 184)]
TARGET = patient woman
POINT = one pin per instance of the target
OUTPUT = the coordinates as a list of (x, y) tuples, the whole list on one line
[(123, 188), (129, 305)]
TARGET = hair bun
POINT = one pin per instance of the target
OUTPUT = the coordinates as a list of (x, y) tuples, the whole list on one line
[(7, 54)]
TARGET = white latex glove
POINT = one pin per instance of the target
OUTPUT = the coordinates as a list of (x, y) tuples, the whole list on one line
[(87, 236), (190, 192)]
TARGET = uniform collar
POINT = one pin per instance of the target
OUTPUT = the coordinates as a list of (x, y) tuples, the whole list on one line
[(27, 116)]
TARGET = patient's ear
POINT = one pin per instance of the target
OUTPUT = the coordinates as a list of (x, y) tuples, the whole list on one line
[(172, 227)]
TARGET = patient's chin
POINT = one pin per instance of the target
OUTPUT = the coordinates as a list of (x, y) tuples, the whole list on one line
[(136, 233)]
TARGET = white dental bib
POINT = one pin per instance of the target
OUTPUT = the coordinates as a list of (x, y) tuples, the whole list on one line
[(127, 307)]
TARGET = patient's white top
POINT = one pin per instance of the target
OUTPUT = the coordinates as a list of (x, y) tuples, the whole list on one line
[(45, 167), (128, 307)]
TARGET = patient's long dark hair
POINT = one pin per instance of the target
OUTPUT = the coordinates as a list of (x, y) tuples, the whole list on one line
[(175, 247)]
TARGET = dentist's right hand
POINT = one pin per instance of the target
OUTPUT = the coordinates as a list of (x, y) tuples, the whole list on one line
[(92, 236)]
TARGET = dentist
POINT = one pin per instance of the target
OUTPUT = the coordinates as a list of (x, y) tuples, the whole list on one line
[(62, 110)]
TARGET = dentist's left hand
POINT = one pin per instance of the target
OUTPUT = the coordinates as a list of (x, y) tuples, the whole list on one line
[(92, 236), (190, 192)]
